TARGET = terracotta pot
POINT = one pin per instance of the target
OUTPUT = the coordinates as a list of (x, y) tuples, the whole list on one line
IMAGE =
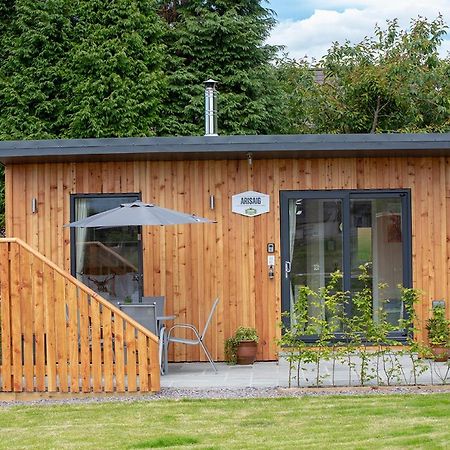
[(246, 352), (441, 354)]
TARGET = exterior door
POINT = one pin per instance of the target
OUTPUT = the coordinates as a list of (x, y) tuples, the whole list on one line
[(107, 259), (325, 231)]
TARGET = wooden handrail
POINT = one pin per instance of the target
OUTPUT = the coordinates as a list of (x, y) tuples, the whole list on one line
[(82, 286)]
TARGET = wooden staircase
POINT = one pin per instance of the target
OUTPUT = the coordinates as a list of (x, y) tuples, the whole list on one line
[(57, 335)]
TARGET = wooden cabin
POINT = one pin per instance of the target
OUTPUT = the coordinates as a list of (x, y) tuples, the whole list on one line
[(331, 202)]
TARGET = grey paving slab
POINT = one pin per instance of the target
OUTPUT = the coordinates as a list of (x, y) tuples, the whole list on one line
[(276, 374)]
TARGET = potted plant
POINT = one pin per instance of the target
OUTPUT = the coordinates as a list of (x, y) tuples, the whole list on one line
[(242, 347), (439, 334)]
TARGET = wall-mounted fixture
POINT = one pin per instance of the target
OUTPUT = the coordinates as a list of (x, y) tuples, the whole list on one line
[(212, 202), (34, 207), (250, 159)]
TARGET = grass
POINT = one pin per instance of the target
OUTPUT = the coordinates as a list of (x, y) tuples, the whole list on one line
[(360, 422)]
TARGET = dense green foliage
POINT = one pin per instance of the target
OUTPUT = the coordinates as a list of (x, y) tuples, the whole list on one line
[(73, 69), (80, 69), (222, 40), (393, 82), (136, 68)]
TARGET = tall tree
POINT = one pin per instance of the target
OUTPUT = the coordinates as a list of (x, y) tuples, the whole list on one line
[(116, 77), (223, 40), (394, 81), (81, 68)]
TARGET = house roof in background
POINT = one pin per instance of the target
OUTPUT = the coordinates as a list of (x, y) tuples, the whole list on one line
[(225, 147)]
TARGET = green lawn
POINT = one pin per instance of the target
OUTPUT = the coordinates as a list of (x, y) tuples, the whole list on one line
[(391, 421)]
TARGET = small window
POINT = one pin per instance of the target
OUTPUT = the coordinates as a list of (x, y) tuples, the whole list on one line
[(107, 259)]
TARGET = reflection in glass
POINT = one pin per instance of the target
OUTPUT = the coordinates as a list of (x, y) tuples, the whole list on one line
[(107, 258), (315, 245), (376, 238)]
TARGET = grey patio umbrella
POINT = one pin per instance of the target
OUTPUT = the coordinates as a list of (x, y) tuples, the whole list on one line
[(138, 213)]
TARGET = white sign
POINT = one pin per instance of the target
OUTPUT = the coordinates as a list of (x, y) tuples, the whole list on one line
[(250, 203)]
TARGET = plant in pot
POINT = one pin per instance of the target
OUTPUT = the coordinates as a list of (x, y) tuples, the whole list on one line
[(242, 347), (439, 334)]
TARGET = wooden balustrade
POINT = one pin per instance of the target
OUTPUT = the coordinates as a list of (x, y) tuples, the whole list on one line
[(57, 335)]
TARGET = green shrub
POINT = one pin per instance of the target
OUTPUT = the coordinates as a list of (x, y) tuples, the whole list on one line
[(438, 328)]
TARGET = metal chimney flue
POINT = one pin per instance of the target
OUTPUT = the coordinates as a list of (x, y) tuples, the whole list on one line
[(210, 108)]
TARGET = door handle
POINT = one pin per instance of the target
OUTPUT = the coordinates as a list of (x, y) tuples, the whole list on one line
[(287, 268)]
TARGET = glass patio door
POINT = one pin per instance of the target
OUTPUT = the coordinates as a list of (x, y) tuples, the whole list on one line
[(325, 231), (107, 259)]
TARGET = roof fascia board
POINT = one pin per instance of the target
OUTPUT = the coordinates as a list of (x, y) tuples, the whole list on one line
[(226, 147)]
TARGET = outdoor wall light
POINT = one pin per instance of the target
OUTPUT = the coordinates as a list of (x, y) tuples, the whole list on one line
[(250, 159), (34, 207), (212, 202)]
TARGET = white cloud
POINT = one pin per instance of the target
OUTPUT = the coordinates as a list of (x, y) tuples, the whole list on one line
[(314, 35)]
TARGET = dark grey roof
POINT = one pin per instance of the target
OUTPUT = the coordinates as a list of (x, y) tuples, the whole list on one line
[(225, 147)]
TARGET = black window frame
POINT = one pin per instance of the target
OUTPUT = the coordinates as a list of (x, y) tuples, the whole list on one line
[(345, 195), (73, 252)]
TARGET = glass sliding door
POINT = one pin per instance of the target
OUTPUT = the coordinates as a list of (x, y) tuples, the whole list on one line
[(107, 259), (315, 245), (376, 240), (325, 231)]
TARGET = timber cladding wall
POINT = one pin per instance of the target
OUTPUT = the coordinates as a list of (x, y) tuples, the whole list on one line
[(192, 264)]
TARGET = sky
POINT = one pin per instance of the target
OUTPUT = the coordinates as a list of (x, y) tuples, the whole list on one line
[(307, 28)]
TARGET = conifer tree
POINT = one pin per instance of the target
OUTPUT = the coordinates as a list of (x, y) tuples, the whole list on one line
[(223, 40), (80, 68)]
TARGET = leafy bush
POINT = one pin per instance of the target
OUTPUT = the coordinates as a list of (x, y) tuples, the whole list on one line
[(438, 328)]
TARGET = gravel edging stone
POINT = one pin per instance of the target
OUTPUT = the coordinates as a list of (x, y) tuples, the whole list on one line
[(241, 393)]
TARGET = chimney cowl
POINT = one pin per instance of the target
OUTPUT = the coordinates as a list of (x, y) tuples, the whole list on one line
[(210, 108)]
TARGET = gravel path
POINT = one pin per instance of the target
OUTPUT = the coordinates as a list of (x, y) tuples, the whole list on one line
[(244, 393)]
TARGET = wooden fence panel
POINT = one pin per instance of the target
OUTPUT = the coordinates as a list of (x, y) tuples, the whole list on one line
[(143, 363), (71, 296), (61, 333), (85, 368), (130, 343), (25, 293), (39, 326), (57, 335), (96, 345), (50, 328), (152, 355), (16, 325), (108, 349), (5, 312), (119, 354)]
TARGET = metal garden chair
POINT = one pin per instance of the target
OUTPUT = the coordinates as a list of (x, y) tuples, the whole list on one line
[(198, 339), (159, 302), (145, 314)]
